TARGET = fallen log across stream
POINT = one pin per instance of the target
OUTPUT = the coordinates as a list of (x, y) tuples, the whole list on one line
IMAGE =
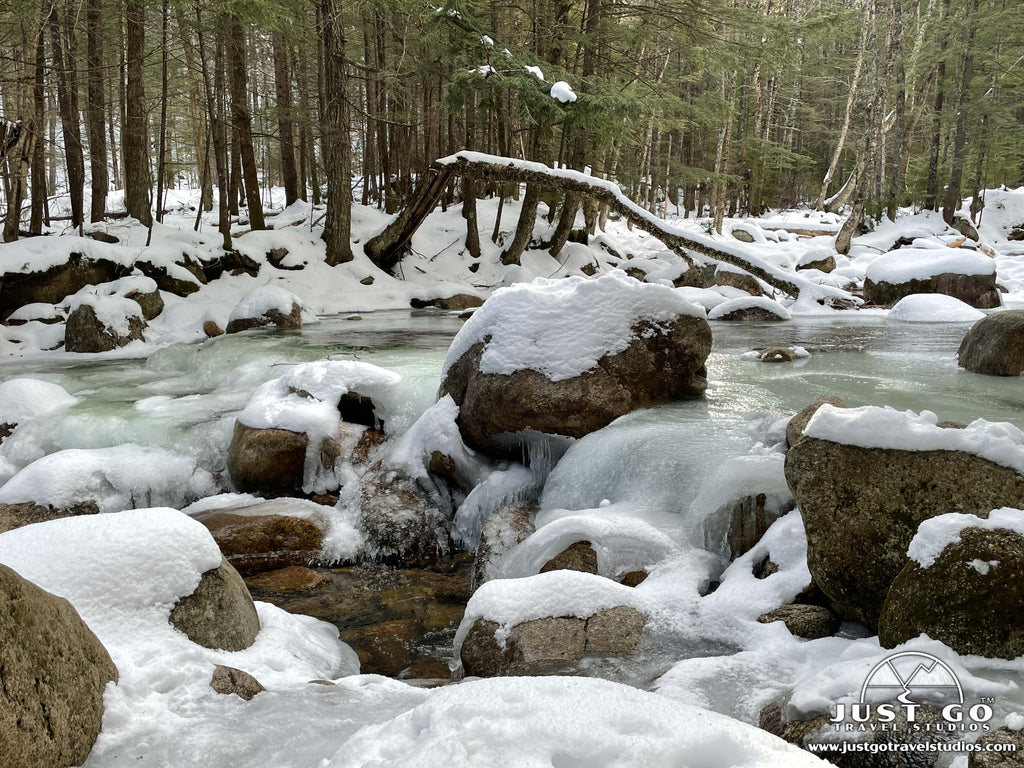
[(387, 248)]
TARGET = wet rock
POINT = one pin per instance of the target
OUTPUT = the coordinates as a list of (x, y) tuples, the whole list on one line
[(509, 525), (579, 556), (51, 286), (402, 517), (54, 671), (1007, 758), (741, 280), (228, 680), (219, 613), (796, 426), (212, 330), (294, 578), (749, 518), (266, 459), (862, 506), (764, 568), (386, 647), (776, 355), (633, 578), (497, 412), (151, 303), (807, 621), (253, 540), (85, 332), (969, 598), (995, 345), (458, 302)]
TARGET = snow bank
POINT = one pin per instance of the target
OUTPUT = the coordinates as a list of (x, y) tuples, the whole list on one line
[(749, 302), (23, 399), (561, 328), (562, 721), (873, 427), (117, 478), (934, 308), (937, 533), (906, 264)]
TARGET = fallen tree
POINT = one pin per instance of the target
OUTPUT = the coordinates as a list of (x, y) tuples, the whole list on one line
[(387, 248)]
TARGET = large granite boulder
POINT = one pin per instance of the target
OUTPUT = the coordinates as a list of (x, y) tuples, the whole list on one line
[(219, 613), (552, 645), (565, 358), (266, 460), (734, 277), (964, 274), (861, 506), (53, 671), (796, 426), (27, 512), (969, 597), (52, 285), (994, 345), (103, 325)]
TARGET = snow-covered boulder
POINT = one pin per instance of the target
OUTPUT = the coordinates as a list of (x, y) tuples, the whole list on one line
[(263, 306), (182, 275), (24, 399), (562, 721), (56, 274), (994, 345), (566, 357), (866, 478), (54, 673), (934, 308), (102, 323), (964, 274), (976, 566), (807, 621), (297, 429), (796, 425), (820, 259), (753, 308)]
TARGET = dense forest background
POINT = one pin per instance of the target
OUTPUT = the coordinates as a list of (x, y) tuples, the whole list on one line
[(695, 107)]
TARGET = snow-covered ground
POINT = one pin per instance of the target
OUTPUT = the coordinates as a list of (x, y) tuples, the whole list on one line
[(148, 425)]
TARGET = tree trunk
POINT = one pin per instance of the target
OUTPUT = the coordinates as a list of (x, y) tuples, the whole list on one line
[(70, 118), (931, 199), (162, 141), (335, 131), (95, 110), (135, 137), (241, 122), (953, 192), (524, 227), (39, 208), (218, 135), (283, 90), (19, 158)]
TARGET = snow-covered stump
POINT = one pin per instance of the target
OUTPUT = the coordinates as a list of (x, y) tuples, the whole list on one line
[(556, 359), (958, 272), (977, 567), (866, 478)]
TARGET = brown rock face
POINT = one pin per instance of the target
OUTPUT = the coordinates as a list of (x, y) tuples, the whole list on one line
[(740, 280), (228, 680), (494, 407), (550, 646), (457, 302), (212, 330), (16, 515), (272, 317), (54, 670), (977, 290), (294, 578), (970, 598), (796, 426), (262, 542), (52, 285), (266, 459), (151, 304), (576, 557), (219, 613), (995, 345), (84, 332), (827, 264), (862, 506), (1010, 758), (751, 314)]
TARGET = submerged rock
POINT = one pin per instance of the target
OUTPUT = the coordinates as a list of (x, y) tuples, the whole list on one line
[(53, 671), (970, 598), (994, 345), (862, 506), (219, 613)]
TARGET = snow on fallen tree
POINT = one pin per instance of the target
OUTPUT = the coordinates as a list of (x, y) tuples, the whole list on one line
[(386, 249)]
